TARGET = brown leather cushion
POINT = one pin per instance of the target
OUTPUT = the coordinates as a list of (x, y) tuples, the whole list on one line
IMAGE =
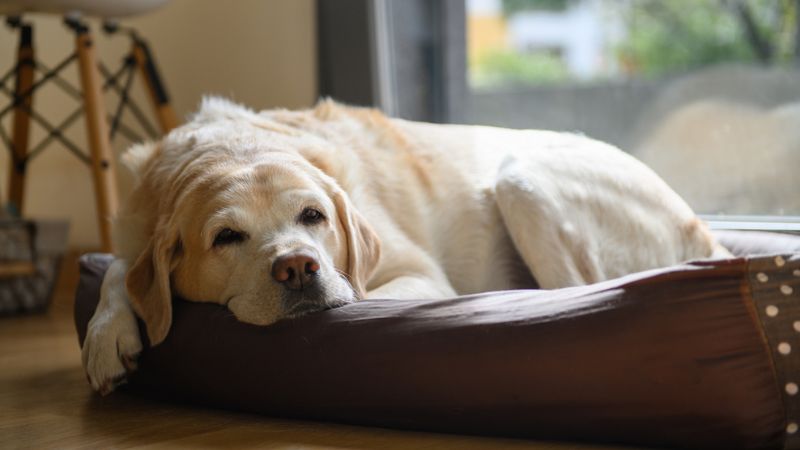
[(666, 357)]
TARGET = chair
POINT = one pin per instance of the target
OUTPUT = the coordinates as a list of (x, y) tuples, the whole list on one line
[(95, 78)]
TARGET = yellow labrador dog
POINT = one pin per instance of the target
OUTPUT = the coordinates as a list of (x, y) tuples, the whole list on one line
[(279, 213)]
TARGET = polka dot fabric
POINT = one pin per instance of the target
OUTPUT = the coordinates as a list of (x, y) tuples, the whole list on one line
[(775, 289)]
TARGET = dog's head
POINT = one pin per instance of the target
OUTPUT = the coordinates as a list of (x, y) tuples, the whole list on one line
[(237, 217)]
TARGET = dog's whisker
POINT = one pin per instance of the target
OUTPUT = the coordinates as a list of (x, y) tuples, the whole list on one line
[(344, 276)]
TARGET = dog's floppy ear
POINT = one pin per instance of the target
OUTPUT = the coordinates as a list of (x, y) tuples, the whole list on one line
[(148, 284), (137, 156), (363, 245)]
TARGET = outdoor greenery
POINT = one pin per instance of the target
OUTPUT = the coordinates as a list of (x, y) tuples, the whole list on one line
[(676, 35), (499, 68), (663, 37), (511, 7)]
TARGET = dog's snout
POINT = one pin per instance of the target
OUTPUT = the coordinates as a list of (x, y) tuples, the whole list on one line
[(295, 270)]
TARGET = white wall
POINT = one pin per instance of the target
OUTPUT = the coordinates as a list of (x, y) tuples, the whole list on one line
[(259, 52)]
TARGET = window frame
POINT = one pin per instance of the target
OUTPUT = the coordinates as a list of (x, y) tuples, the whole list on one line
[(370, 77)]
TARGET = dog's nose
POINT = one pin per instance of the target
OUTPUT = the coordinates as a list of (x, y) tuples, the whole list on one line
[(295, 270)]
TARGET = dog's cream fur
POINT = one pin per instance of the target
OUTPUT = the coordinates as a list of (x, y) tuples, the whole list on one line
[(412, 210)]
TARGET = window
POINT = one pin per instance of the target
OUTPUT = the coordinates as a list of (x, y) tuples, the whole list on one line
[(706, 92)]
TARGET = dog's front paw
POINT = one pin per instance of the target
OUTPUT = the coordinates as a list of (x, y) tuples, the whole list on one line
[(110, 350)]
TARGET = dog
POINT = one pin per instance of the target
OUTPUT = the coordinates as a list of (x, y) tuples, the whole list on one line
[(280, 213)]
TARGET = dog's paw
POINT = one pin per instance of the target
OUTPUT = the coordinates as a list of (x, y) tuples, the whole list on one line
[(110, 350)]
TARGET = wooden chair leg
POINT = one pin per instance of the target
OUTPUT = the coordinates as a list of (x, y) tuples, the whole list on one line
[(97, 134), (155, 87), (23, 100)]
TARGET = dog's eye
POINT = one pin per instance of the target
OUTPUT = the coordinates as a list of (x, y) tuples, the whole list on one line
[(228, 236), (311, 216)]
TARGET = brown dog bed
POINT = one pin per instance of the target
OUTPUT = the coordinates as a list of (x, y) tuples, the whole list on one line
[(689, 356)]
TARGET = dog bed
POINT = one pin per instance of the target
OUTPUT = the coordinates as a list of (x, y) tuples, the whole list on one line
[(696, 355)]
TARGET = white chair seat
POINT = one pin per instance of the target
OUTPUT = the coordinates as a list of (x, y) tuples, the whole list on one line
[(100, 8)]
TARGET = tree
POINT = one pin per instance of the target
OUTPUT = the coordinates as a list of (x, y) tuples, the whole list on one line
[(679, 34), (511, 7)]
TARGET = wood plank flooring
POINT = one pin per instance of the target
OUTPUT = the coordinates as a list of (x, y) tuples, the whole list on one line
[(45, 402)]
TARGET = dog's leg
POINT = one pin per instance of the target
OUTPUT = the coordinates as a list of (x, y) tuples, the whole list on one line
[(601, 220), (413, 287), (112, 337), (549, 248), (408, 272)]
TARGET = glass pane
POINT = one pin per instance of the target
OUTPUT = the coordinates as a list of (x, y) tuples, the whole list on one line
[(707, 92)]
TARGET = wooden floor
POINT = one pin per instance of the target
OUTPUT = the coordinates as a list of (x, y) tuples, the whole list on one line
[(45, 402)]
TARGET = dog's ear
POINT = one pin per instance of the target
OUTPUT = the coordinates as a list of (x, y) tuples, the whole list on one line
[(137, 156), (148, 283), (363, 245)]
